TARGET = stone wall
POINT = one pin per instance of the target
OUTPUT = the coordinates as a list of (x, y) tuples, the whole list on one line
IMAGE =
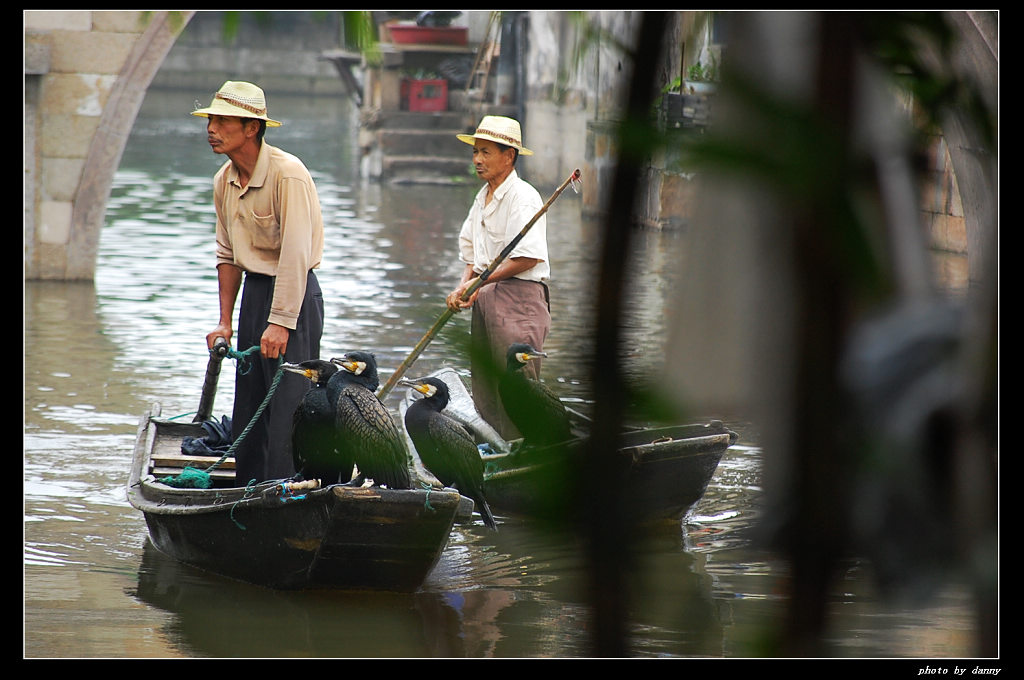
[(281, 51), (76, 63), (564, 96)]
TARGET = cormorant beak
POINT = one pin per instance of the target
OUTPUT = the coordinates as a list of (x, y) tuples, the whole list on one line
[(355, 367), (295, 368), (524, 357), (426, 389)]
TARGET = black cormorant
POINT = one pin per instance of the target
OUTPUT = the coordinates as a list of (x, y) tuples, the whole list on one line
[(446, 448), (533, 408), (366, 429), (315, 441)]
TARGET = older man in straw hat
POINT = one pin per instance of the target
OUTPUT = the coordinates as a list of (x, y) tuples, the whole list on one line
[(513, 304), (269, 231)]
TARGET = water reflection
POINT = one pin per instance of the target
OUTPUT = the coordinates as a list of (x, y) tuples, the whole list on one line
[(214, 617), (514, 597)]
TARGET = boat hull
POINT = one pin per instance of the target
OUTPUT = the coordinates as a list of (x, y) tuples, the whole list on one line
[(279, 536), (664, 472)]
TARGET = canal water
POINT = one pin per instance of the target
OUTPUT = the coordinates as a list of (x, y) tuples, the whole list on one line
[(96, 355)]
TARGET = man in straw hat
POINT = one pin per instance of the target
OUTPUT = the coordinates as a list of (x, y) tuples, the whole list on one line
[(269, 232), (513, 304)]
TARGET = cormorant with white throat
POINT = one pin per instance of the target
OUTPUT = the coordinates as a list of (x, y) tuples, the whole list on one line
[(366, 429), (446, 448), (315, 442), (533, 408)]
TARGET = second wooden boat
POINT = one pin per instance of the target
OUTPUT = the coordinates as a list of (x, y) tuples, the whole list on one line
[(666, 470)]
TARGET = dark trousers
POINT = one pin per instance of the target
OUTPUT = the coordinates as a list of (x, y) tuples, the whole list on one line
[(505, 312), (266, 451)]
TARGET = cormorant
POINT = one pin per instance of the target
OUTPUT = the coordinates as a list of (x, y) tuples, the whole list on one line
[(365, 427), (533, 408), (315, 451), (446, 448)]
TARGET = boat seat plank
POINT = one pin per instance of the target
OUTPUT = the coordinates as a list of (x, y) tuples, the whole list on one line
[(167, 459), (202, 462), (160, 472)]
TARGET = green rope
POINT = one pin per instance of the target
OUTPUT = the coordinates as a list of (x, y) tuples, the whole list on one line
[(249, 490), (194, 478), (244, 364), (426, 501)]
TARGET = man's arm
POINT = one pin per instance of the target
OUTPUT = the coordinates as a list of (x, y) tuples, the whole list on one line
[(229, 280), (506, 270), (298, 211)]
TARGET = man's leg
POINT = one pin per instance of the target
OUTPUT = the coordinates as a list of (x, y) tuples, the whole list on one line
[(303, 344), (265, 453), (505, 312)]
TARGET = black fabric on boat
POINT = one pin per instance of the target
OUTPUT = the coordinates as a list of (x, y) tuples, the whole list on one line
[(215, 443)]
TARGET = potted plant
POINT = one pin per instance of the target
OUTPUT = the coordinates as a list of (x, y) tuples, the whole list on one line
[(700, 79)]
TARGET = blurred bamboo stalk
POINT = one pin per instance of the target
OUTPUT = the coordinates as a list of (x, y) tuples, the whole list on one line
[(808, 258)]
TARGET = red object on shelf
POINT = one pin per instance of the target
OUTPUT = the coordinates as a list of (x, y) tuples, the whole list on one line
[(428, 35), (425, 95)]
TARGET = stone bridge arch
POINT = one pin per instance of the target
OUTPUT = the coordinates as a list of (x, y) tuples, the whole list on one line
[(86, 75)]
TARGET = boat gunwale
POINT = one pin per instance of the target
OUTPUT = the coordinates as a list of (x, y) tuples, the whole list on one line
[(148, 494), (649, 452)]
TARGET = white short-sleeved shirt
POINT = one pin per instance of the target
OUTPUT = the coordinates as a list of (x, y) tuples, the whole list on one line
[(488, 229)]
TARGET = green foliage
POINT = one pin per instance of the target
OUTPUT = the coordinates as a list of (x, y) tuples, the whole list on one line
[(360, 33), (702, 74), (918, 49), (673, 85), (233, 23), (175, 20)]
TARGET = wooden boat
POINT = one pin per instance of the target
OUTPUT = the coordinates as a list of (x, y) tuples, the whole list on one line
[(667, 469), (284, 535)]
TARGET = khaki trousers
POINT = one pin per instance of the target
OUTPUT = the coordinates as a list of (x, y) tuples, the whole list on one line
[(505, 312)]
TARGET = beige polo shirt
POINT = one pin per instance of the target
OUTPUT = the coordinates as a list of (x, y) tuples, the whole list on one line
[(273, 226), (489, 228)]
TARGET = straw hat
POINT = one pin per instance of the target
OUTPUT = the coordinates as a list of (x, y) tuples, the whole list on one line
[(498, 129), (237, 98)]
